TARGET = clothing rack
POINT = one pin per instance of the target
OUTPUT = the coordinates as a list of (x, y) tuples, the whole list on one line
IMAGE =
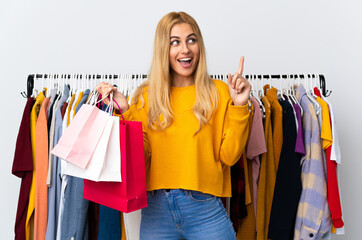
[(31, 77)]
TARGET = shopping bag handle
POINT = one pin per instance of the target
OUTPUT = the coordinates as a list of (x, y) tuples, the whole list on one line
[(118, 107)]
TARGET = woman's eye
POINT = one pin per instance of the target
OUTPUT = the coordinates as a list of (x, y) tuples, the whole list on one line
[(174, 42), (192, 40)]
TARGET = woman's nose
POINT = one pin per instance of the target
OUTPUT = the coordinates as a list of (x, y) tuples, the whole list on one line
[(185, 49)]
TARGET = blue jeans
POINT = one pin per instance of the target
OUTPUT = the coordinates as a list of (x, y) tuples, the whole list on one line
[(184, 214)]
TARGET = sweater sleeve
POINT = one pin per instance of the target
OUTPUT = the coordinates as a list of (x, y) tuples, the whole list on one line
[(235, 133)]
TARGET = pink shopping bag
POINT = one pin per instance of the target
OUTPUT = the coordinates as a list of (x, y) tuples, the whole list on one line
[(79, 140), (130, 194)]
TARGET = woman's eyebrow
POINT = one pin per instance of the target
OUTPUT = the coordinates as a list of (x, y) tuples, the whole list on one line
[(192, 34)]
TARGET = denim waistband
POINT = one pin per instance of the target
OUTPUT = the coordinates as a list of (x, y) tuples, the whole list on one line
[(170, 191)]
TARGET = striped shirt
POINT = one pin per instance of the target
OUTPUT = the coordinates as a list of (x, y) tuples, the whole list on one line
[(313, 216)]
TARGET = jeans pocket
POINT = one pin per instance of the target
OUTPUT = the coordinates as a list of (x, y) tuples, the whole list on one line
[(201, 197)]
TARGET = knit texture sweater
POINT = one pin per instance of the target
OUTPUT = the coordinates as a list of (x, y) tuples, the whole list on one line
[(176, 158)]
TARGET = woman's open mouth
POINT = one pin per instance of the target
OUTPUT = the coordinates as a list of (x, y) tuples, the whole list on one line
[(185, 62)]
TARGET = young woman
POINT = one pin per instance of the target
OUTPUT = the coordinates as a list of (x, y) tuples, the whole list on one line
[(194, 129)]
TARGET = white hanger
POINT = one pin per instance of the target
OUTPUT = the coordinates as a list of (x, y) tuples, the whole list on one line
[(314, 102), (312, 86), (261, 90), (280, 91), (286, 91), (256, 93), (35, 90)]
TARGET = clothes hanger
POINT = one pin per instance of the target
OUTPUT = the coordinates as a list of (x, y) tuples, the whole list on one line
[(255, 92), (310, 97), (294, 96), (312, 86), (280, 91), (287, 92), (35, 91)]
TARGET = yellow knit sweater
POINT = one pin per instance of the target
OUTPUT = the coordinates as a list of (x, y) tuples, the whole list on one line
[(175, 158)]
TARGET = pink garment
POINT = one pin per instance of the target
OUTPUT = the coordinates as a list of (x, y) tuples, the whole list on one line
[(255, 147)]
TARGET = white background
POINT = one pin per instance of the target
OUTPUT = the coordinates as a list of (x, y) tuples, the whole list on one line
[(117, 37)]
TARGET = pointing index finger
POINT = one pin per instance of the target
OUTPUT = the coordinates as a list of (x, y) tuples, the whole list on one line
[(241, 66)]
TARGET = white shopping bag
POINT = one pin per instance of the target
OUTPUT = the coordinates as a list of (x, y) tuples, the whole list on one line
[(105, 163)]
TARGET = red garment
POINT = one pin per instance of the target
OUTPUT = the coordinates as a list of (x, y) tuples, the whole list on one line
[(334, 201), (64, 108), (23, 168), (237, 202)]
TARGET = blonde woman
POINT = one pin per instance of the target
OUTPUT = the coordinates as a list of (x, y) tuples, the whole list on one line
[(194, 129)]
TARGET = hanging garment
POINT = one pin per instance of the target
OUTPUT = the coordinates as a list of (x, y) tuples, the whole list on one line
[(33, 118), (132, 223), (53, 96), (241, 195), (314, 193), (82, 100), (267, 177), (255, 147), (237, 202), (41, 189), (74, 221), (336, 157), (276, 121), (332, 181), (53, 110), (288, 185), (80, 96), (247, 225), (55, 189), (64, 109), (299, 145), (93, 220), (23, 168), (63, 164), (109, 224), (70, 106)]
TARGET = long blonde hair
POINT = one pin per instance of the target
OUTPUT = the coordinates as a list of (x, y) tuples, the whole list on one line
[(160, 115)]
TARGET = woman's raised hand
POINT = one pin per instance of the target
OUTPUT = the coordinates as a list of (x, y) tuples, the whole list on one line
[(239, 87), (105, 89)]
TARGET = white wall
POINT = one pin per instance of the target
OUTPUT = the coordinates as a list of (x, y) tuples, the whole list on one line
[(117, 37)]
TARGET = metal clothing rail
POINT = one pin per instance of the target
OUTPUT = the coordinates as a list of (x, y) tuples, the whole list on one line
[(31, 77)]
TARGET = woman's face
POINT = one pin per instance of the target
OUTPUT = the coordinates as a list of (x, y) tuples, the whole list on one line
[(184, 50)]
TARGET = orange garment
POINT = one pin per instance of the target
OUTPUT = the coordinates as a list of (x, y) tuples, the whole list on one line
[(41, 189), (33, 119), (123, 232), (267, 177), (276, 122), (70, 108), (77, 102), (247, 226)]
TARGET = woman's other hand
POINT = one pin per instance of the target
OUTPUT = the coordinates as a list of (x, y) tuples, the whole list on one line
[(239, 87)]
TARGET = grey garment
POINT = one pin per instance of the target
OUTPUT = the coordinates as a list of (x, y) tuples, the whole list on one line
[(55, 190), (75, 212), (83, 100), (74, 220), (53, 93), (51, 142)]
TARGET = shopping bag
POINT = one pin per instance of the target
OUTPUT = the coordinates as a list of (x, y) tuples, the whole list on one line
[(80, 139), (130, 194), (105, 163)]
